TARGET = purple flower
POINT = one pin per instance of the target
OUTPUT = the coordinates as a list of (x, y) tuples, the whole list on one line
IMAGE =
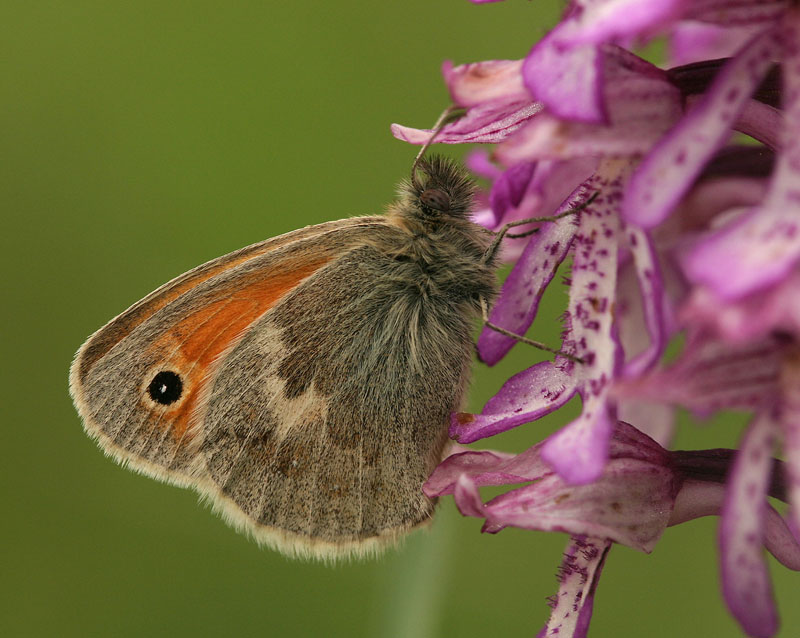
[(643, 489), (680, 232)]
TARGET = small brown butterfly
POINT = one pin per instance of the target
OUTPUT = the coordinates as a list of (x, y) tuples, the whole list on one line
[(303, 384)]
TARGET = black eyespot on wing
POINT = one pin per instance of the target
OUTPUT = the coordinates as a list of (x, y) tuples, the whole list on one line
[(165, 388), (435, 199)]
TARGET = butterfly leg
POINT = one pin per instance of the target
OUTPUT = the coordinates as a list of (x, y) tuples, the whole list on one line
[(536, 344), (503, 232)]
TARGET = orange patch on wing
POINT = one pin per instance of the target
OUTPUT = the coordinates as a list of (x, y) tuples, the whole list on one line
[(121, 326), (213, 329)]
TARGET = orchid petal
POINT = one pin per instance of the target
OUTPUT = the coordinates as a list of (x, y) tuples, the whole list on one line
[(640, 105), (712, 198), (548, 137), (516, 307), (651, 287), (762, 122), (697, 499), (567, 82), (750, 12), (488, 123), (759, 248), (552, 189), (656, 420), (653, 418), (780, 541), (509, 189), (745, 579), (753, 252), (481, 82), (579, 450), (578, 577), (611, 19), (668, 172), (712, 375), (479, 163), (525, 397), (467, 497), (488, 467), (483, 467), (630, 504), (753, 317), (790, 426), (693, 41)]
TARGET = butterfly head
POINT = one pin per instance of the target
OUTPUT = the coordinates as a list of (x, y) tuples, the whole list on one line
[(442, 189)]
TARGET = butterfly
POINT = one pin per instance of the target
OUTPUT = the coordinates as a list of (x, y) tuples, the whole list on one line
[(303, 384)]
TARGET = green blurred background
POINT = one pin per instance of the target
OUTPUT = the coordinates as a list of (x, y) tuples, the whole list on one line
[(140, 139)]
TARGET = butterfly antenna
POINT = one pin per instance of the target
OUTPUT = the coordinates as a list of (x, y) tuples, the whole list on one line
[(450, 114)]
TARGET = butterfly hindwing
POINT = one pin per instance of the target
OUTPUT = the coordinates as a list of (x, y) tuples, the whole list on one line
[(337, 449)]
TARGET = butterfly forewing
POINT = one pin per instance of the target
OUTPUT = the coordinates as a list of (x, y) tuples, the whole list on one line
[(183, 328)]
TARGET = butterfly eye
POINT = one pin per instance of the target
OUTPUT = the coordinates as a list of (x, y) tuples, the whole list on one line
[(435, 199), (165, 388)]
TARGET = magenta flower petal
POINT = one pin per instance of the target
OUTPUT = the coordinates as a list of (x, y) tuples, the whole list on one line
[(549, 190), (509, 189), (479, 163), (752, 317), (700, 498), (745, 578), (487, 467), (578, 576), (468, 499), (668, 172), (761, 122), (711, 198), (780, 541), (790, 426), (640, 105), (488, 123), (648, 273), (481, 82), (756, 250), (712, 375), (578, 451), (656, 420), (567, 81), (525, 397), (737, 12), (760, 248), (483, 467), (516, 307), (692, 41), (548, 137), (609, 20), (629, 504)]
